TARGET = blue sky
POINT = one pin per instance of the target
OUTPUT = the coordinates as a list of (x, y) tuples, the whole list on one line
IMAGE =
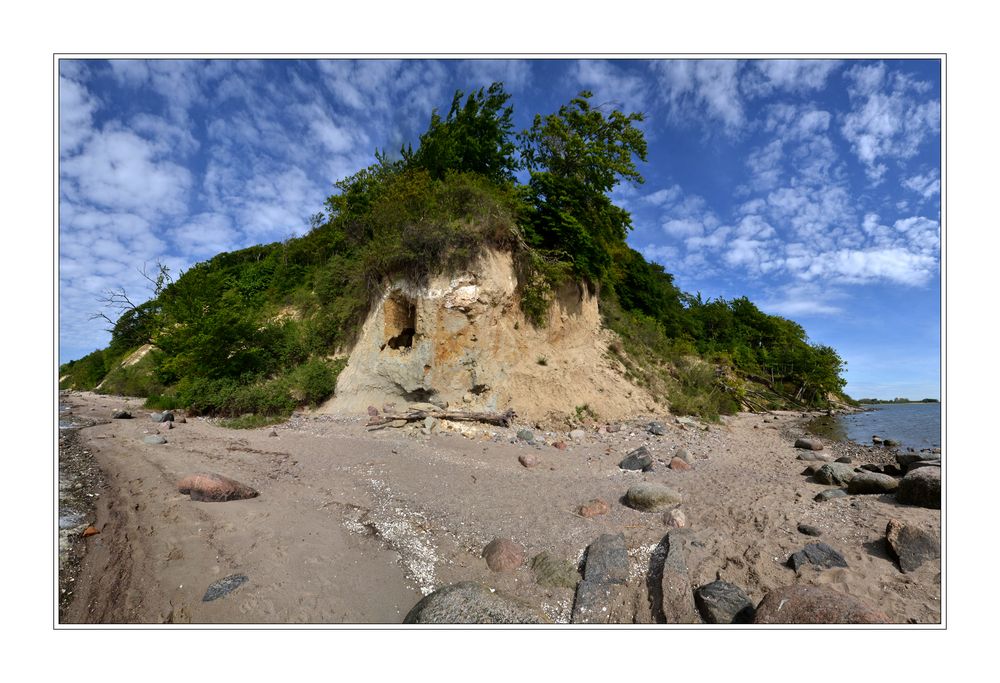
[(812, 187)]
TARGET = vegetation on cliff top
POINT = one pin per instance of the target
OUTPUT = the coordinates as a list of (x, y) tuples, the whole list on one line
[(253, 331)]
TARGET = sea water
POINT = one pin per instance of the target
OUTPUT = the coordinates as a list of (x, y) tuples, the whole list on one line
[(913, 425)]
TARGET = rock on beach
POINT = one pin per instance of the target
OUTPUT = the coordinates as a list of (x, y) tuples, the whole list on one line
[(801, 604), (503, 555), (650, 496), (871, 482), (723, 603), (818, 554), (921, 487), (472, 603), (834, 473), (809, 444), (214, 488), (911, 545)]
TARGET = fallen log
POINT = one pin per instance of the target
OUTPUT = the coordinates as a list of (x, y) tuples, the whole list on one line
[(502, 419)]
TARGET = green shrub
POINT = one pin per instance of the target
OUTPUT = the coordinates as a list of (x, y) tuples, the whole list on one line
[(314, 381)]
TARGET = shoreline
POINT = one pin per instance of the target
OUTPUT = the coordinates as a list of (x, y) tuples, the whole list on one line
[(355, 527)]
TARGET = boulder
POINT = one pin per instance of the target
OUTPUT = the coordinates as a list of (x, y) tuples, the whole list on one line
[(684, 455), (679, 465), (639, 459), (527, 459), (162, 417), (595, 507), (154, 439), (656, 428), (606, 560), (911, 545), (921, 487), (554, 572), (605, 572), (818, 554), (723, 603), (809, 529), (801, 604), (650, 496), (829, 494), (923, 463), (677, 598), (809, 444), (871, 482), (844, 458), (906, 459), (685, 421), (214, 488), (526, 435), (812, 456), (472, 603), (834, 473), (503, 555), (121, 415), (577, 435)]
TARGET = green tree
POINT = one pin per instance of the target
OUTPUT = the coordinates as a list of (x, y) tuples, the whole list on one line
[(576, 157), (474, 137)]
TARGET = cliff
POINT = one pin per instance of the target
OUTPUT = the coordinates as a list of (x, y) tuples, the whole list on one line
[(461, 340)]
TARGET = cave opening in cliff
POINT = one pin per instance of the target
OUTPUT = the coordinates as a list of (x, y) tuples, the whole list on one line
[(400, 322)]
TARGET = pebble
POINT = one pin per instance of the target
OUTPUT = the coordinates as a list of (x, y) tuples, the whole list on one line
[(595, 507)]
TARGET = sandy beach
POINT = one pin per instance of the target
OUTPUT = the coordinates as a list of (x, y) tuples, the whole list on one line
[(353, 526)]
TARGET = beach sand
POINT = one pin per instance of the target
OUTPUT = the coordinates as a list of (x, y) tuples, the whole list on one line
[(354, 526)]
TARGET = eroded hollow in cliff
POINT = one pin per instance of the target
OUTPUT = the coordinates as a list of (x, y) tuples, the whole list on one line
[(400, 315)]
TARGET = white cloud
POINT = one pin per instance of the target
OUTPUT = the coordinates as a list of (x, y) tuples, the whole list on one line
[(613, 86), (666, 196), (793, 75), (117, 169), (204, 235), (515, 74), (692, 88), (887, 121), (684, 227), (76, 114), (857, 266), (927, 185)]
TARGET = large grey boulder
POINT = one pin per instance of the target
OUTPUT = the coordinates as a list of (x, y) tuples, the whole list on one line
[(911, 545), (921, 487), (809, 444), (650, 496), (154, 439), (639, 459), (677, 597), (818, 554), (472, 603), (605, 573), (906, 459), (801, 604), (723, 603), (836, 473), (871, 482)]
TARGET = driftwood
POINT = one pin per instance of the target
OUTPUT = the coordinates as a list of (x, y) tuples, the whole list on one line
[(502, 419)]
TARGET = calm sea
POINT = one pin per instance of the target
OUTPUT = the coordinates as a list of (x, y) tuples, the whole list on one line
[(914, 425)]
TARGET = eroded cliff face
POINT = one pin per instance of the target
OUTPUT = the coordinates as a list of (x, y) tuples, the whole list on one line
[(462, 341)]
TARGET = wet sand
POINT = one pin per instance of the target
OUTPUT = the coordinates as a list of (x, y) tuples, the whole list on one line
[(354, 526)]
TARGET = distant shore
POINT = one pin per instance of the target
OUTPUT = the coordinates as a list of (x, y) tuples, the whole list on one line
[(353, 526)]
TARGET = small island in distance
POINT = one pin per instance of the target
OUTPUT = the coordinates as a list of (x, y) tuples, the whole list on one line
[(879, 401)]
